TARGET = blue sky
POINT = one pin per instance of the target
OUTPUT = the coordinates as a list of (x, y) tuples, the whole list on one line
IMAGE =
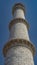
[(6, 16)]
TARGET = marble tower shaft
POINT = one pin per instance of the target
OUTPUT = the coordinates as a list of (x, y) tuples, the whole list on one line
[(19, 50)]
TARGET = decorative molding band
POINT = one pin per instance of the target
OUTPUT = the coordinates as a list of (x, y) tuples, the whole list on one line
[(17, 20), (18, 42)]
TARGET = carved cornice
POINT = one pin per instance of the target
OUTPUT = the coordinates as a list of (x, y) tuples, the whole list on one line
[(18, 42), (17, 20)]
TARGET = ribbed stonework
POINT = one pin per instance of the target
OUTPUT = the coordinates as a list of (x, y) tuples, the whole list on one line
[(19, 50)]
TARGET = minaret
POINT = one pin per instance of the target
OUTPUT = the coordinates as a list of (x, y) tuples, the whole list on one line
[(19, 50)]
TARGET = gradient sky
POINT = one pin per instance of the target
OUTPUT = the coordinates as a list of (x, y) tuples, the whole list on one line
[(6, 16)]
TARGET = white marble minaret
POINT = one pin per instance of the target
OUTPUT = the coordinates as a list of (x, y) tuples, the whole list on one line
[(19, 50)]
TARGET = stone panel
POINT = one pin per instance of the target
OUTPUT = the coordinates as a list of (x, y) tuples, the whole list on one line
[(19, 31), (19, 13), (19, 56)]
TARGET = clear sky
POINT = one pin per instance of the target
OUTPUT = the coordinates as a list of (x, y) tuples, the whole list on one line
[(6, 17)]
